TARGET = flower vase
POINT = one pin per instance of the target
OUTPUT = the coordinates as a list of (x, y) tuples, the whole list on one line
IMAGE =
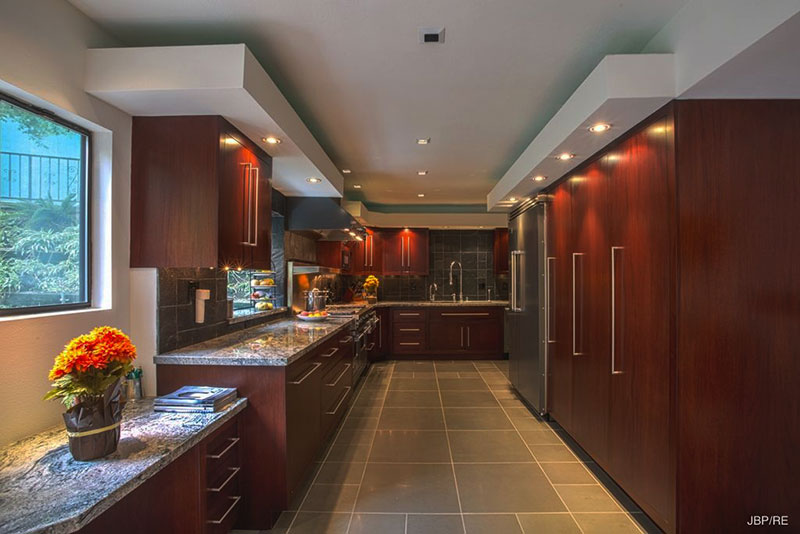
[(93, 425)]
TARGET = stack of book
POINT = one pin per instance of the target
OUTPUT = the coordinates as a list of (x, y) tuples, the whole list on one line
[(195, 399)]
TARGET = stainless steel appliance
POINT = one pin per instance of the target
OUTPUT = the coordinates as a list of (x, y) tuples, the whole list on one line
[(364, 326), (527, 320), (304, 278)]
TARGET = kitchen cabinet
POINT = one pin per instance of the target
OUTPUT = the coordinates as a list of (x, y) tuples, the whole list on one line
[(406, 251), (384, 333), (199, 492), (368, 254), (335, 254), (500, 249), (200, 195)]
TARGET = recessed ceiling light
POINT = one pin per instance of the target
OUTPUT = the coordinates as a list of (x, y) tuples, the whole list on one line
[(359, 238), (423, 141), (356, 186), (565, 156), (539, 178), (600, 127), (512, 199), (420, 195), (313, 180), (346, 171), (422, 173), (272, 140)]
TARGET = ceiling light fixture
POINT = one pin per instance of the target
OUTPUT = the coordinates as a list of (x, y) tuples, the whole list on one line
[(420, 195), (600, 127), (313, 180), (539, 178), (512, 199), (423, 141), (272, 140), (565, 156), (422, 173), (356, 186), (352, 234), (346, 171), (359, 238)]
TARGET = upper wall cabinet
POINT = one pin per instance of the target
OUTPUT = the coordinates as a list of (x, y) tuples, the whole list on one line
[(501, 254), (405, 251), (368, 253), (200, 195)]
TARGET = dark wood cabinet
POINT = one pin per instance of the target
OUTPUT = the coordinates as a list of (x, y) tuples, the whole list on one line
[(335, 254), (448, 332), (405, 251), (368, 254), (200, 195), (501, 253)]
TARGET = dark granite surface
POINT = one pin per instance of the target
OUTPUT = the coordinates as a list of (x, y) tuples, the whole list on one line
[(43, 489)]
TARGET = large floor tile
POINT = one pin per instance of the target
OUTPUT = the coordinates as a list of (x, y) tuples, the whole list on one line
[(414, 366), (410, 446), (470, 384), (468, 399), (550, 524), (540, 437), (606, 523), (492, 524), (329, 498), (369, 397), (477, 419), (340, 473), (365, 411), (488, 446), (320, 523), (435, 524), (347, 452), (411, 419), (354, 436), (408, 488), (567, 473), (378, 524), (454, 366), (587, 499), (412, 399), (508, 488), (413, 384), (553, 453), (359, 423)]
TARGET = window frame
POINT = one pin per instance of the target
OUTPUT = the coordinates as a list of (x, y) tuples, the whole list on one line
[(85, 216)]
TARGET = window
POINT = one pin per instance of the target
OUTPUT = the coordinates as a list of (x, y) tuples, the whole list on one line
[(44, 188)]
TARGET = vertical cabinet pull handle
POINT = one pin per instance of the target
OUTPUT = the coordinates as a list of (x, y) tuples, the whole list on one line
[(462, 337), (468, 343), (615, 323), (247, 186), (577, 332), (408, 251), (255, 209), (549, 297), (402, 251)]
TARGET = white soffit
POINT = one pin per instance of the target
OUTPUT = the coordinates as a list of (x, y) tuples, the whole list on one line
[(621, 91), (222, 80), (425, 220)]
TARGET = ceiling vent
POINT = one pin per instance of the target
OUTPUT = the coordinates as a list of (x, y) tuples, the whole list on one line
[(431, 35)]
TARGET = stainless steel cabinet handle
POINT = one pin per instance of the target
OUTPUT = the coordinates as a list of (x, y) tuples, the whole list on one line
[(255, 209), (331, 353), (409, 329), (315, 366), (513, 300), (614, 322), (248, 187), (346, 340), (233, 441), (462, 337), (402, 251), (407, 314), (370, 347), (346, 367), (465, 314), (234, 471), (409, 344), (408, 251), (468, 342), (575, 351), (550, 318), (341, 400), (380, 333), (228, 511)]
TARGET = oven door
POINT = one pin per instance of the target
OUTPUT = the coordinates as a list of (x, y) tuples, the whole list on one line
[(360, 355)]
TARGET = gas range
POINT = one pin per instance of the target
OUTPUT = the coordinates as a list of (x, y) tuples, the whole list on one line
[(344, 310), (363, 327)]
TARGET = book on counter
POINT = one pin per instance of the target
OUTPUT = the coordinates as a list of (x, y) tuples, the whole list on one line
[(195, 399)]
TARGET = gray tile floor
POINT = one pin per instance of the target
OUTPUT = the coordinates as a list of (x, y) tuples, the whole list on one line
[(447, 447)]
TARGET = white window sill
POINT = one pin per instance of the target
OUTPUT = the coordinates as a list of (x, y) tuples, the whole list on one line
[(45, 315)]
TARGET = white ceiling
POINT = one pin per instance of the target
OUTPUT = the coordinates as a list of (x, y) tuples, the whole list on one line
[(356, 74)]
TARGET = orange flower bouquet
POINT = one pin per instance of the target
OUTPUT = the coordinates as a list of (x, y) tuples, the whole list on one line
[(86, 377)]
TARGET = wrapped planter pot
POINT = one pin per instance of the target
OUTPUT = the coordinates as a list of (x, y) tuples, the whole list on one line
[(93, 427)]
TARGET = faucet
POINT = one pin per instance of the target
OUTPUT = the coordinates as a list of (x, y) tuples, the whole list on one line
[(460, 279), (432, 289)]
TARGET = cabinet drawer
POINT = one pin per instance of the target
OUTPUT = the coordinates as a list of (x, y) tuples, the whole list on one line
[(338, 378), (403, 315), (465, 314), (409, 345), (409, 330), (333, 415), (222, 452)]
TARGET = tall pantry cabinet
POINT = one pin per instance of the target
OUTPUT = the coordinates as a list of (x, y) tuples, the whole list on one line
[(672, 350)]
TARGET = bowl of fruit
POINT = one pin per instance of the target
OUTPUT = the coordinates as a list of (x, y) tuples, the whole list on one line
[(312, 316)]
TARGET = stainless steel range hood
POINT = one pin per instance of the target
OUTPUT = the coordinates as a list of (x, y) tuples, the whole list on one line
[(325, 216)]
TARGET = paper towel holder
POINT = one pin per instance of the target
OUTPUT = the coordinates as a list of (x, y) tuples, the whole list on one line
[(200, 298)]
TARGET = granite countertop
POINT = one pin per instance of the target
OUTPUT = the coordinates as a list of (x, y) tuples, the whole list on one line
[(276, 343), (43, 489), (279, 343)]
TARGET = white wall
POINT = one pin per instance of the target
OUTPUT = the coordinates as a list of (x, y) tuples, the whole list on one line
[(42, 56)]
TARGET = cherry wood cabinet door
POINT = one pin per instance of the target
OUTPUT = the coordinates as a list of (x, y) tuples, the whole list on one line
[(559, 329), (417, 251), (641, 222), (261, 253), (589, 264), (368, 254), (394, 251), (447, 336), (501, 253), (405, 251)]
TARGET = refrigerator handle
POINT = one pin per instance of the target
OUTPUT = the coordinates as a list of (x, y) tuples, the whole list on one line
[(516, 278), (550, 282)]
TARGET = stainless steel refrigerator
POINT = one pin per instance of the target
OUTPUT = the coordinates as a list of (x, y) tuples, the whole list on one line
[(527, 321)]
